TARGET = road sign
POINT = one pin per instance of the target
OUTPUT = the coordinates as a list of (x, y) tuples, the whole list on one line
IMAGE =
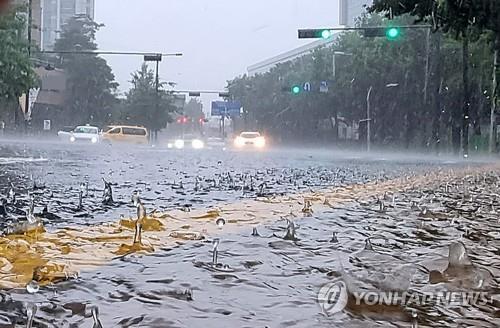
[(226, 108), (323, 87), (153, 58)]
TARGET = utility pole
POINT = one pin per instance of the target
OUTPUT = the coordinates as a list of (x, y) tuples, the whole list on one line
[(224, 123), (493, 119), (466, 99), (157, 102), (157, 59)]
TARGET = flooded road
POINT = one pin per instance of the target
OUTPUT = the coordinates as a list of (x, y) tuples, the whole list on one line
[(393, 235)]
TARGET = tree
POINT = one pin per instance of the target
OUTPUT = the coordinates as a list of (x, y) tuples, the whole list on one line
[(460, 17), (16, 71), (90, 81), (144, 106), (488, 17), (194, 109)]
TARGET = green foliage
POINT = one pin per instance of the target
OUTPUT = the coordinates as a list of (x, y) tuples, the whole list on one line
[(469, 19), (16, 70), (90, 81), (144, 106)]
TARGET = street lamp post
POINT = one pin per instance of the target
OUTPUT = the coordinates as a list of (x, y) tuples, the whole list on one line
[(368, 114), (368, 120), (27, 99)]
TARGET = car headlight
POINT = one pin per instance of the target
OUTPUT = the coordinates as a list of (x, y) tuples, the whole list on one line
[(170, 145), (239, 142), (260, 142), (72, 139), (197, 144), (179, 143), (94, 140)]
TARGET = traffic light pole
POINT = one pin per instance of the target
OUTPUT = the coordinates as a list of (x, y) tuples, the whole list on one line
[(319, 33), (97, 52)]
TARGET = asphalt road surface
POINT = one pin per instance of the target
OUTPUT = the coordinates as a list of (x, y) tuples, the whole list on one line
[(269, 281)]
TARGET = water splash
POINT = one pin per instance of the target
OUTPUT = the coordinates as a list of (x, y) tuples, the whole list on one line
[(95, 317), (107, 197), (334, 238), (290, 231), (215, 251), (220, 223), (33, 287), (31, 310)]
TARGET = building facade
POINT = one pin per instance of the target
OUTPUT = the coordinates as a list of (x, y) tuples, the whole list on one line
[(55, 13), (36, 16), (350, 10)]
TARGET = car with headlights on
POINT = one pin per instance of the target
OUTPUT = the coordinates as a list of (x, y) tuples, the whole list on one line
[(65, 133), (251, 140), (187, 141), (85, 134)]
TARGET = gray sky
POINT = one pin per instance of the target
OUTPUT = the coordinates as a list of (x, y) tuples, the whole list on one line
[(219, 38)]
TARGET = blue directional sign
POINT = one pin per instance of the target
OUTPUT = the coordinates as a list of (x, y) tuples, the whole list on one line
[(323, 87), (226, 108)]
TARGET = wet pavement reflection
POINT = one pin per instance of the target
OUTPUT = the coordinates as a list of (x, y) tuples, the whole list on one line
[(411, 230)]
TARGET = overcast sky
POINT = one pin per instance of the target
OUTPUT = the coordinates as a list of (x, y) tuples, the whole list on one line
[(219, 38)]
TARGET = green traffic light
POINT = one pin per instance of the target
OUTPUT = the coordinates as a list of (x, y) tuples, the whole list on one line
[(392, 33), (295, 89), (326, 34)]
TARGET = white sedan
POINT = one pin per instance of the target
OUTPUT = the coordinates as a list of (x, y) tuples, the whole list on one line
[(65, 133), (250, 139), (85, 134)]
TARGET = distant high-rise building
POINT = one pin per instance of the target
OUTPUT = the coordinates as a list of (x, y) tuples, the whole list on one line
[(352, 9), (36, 16), (55, 13)]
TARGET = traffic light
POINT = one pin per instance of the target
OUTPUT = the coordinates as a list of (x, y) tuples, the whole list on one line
[(315, 34), (326, 34), (296, 89), (391, 33)]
